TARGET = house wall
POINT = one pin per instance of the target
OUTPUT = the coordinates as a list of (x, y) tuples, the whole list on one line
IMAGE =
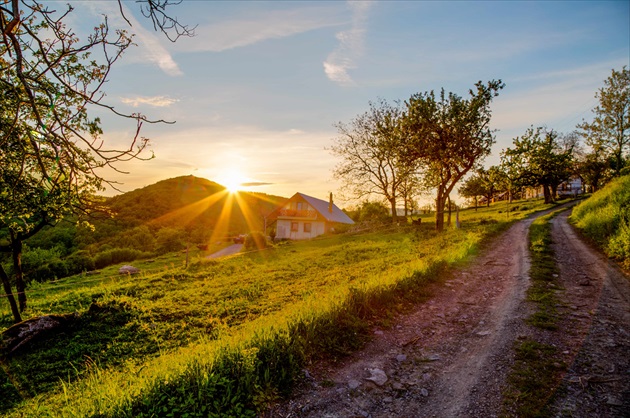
[(283, 229)]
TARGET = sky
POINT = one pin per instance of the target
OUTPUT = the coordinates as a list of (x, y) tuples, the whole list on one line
[(256, 93)]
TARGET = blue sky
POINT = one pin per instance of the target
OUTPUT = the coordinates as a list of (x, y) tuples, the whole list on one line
[(256, 93)]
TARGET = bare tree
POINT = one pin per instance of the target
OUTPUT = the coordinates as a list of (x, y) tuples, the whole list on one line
[(372, 153)]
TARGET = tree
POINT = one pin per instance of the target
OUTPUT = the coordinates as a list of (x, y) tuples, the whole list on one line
[(472, 188), (51, 153), (484, 183), (610, 128), (449, 136), (544, 160), (372, 153)]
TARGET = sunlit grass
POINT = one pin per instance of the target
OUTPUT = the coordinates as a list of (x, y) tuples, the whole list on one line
[(605, 218), (173, 328)]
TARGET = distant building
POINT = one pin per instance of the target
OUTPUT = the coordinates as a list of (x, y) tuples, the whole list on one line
[(570, 188), (304, 217)]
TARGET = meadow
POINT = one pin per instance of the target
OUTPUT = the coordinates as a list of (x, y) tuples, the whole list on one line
[(227, 337), (605, 218)]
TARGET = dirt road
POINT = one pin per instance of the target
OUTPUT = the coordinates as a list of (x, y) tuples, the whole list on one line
[(450, 357), (231, 250)]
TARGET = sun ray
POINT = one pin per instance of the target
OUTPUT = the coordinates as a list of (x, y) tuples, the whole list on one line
[(188, 213)]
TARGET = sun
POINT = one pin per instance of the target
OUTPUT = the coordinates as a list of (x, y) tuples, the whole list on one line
[(232, 180)]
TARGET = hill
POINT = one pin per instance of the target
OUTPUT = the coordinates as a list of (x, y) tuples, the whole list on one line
[(159, 218), (192, 203)]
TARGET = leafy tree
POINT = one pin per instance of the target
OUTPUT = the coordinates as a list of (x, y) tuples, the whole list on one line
[(472, 188), (448, 136), (50, 150), (484, 183), (610, 129), (372, 212), (170, 239), (594, 169), (372, 153), (544, 160)]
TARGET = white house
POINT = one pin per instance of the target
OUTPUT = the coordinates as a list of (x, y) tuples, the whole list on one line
[(304, 217)]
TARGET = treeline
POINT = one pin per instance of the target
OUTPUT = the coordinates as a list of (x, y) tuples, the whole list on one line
[(432, 143)]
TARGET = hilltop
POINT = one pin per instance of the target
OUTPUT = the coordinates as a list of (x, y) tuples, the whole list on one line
[(192, 202)]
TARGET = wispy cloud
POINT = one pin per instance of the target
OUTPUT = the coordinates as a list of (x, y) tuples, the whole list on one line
[(150, 47), (350, 47), (155, 101), (255, 184), (237, 33)]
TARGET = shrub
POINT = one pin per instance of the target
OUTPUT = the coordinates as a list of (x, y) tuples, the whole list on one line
[(79, 262), (169, 240), (255, 240), (118, 255)]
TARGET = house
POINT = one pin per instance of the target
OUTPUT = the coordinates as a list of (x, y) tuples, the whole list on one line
[(571, 187), (304, 217)]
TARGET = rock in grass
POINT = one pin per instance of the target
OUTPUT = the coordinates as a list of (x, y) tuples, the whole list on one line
[(128, 270), (25, 332)]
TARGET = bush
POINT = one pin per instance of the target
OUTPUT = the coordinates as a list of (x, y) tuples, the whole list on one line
[(79, 262), (169, 240), (255, 240), (118, 255)]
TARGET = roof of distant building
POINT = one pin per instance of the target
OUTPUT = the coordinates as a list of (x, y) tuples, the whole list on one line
[(321, 206)]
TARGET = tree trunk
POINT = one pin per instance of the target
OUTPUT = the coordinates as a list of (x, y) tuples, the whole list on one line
[(547, 193), (448, 200), (7, 290), (475, 203), (439, 210), (20, 286), (392, 203)]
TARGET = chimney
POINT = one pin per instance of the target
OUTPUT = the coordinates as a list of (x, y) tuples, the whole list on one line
[(330, 204)]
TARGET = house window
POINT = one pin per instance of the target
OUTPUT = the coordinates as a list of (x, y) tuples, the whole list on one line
[(299, 206), (307, 227), (294, 226)]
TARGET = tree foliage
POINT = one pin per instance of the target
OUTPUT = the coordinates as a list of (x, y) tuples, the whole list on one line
[(484, 183), (449, 135), (609, 132), (544, 158)]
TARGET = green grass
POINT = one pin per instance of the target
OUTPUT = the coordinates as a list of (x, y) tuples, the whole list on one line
[(533, 378), (605, 218), (226, 337)]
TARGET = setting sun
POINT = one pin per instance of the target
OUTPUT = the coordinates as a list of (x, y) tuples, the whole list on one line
[(232, 180)]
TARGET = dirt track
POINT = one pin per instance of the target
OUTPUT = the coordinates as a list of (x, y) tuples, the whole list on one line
[(450, 357)]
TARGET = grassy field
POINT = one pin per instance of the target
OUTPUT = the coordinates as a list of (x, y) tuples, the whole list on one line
[(226, 337), (605, 218)]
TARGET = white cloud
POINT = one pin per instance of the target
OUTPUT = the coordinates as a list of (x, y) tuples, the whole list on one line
[(351, 46), (237, 33), (155, 101)]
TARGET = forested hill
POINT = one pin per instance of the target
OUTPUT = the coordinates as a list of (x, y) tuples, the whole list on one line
[(190, 202)]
